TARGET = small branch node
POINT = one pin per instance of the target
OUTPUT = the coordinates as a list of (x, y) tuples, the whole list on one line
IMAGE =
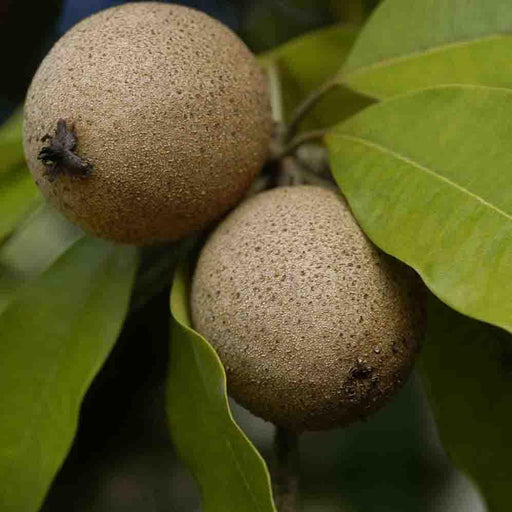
[(305, 107)]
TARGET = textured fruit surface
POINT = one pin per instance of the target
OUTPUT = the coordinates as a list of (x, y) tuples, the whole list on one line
[(171, 110), (315, 327)]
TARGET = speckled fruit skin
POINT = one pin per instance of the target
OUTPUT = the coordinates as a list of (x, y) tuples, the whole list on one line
[(169, 107), (316, 328)]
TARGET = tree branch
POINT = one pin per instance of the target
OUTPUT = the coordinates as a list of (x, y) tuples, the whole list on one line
[(307, 105), (286, 481)]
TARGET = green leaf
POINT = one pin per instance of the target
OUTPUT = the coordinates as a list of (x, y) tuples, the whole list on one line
[(428, 176), (32, 249), (18, 195), (230, 472), (11, 142), (305, 63), (467, 366), (408, 45), (55, 335)]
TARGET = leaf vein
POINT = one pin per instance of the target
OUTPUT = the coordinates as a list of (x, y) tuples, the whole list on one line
[(344, 76), (425, 169)]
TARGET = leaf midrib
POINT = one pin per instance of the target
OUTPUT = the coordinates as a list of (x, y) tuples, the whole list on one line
[(423, 168), (346, 76)]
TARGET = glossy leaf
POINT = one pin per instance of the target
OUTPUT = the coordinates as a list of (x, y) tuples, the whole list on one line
[(54, 336), (31, 250), (18, 196), (230, 472), (305, 63), (408, 45), (467, 366), (11, 142), (428, 176)]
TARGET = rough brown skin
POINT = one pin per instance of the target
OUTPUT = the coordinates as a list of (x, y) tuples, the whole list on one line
[(315, 327), (170, 110)]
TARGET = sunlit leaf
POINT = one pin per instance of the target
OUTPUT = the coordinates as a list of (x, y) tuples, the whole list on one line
[(467, 366), (305, 63), (428, 176), (230, 472), (54, 336), (408, 45)]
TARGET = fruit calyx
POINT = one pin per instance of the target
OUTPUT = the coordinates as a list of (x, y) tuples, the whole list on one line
[(59, 156)]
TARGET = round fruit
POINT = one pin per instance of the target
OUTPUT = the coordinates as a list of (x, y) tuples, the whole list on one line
[(316, 328), (146, 121)]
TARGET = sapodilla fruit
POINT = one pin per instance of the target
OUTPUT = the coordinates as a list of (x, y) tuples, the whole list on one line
[(146, 122), (315, 327)]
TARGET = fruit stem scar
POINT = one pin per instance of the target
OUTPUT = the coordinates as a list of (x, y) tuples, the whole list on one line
[(59, 156)]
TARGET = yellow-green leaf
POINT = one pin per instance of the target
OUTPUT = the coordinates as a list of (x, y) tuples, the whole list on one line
[(231, 474), (467, 366), (408, 45), (428, 176), (54, 336)]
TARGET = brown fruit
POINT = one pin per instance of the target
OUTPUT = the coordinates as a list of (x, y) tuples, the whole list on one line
[(316, 328), (171, 116)]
